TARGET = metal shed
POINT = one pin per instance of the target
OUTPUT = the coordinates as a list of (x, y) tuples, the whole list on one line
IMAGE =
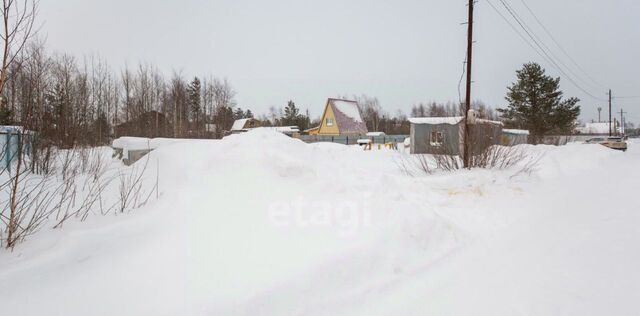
[(10, 139), (512, 137), (443, 135)]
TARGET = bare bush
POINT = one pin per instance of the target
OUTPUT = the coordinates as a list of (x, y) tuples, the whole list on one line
[(74, 188), (493, 157)]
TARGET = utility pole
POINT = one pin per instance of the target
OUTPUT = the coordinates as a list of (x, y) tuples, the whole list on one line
[(599, 110), (609, 112), (467, 106), (622, 113)]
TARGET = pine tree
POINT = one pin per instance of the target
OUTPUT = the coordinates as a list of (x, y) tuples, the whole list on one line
[(238, 114), (535, 104), (248, 114), (193, 93), (291, 114)]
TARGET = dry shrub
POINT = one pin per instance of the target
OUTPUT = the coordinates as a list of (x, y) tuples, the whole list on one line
[(494, 157), (69, 184)]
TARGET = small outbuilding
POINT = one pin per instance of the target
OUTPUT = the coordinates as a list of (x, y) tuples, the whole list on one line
[(247, 124), (512, 137), (12, 138), (443, 135)]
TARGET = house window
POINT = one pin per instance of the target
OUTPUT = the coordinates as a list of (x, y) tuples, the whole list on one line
[(437, 138), (329, 121)]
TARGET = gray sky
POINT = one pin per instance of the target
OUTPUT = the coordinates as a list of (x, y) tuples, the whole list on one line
[(402, 51)]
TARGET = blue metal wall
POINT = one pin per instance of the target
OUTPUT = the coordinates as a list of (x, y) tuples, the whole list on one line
[(10, 139)]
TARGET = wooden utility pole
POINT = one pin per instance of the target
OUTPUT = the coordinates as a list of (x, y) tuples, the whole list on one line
[(609, 112), (467, 106), (622, 122)]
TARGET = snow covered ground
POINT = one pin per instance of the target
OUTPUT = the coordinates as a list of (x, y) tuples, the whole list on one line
[(262, 224)]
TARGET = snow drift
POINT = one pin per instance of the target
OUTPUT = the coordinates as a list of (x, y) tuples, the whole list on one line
[(260, 223)]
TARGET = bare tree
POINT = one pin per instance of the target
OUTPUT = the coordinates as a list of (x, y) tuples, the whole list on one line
[(370, 110), (224, 101), (18, 21)]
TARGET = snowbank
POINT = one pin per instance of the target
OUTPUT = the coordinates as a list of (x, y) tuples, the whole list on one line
[(141, 143), (260, 223)]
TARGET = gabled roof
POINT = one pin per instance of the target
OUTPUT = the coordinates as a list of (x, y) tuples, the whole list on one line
[(347, 116)]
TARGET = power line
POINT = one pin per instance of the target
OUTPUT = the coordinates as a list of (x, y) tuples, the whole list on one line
[(533, 38), (545, 55), (546, 30), (544, 46), (515, 29), (628, 97)]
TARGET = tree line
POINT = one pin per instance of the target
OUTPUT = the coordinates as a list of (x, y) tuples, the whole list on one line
[(72, 101), (80, 102)]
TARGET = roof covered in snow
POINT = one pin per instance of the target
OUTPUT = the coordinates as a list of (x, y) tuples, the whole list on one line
[(13, 129), (453, 120), (239, 124), (348, 116), (483, 121), (515, 131), (142, 143)]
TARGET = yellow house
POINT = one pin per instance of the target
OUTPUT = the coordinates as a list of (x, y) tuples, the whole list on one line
[(340, 117)]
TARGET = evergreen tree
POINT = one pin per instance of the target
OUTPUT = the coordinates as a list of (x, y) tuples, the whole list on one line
[(291, 114), (238, 114), (248, 114), (224, 118), (6, 115), (193, 94), (535, 104)]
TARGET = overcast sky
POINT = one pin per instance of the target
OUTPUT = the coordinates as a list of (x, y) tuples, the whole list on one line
[(403, 51)]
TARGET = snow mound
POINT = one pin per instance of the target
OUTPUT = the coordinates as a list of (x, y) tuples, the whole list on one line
[(261, 223)]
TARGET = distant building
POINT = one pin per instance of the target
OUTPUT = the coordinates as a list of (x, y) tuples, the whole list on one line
[(444, 135), (512, 137), (245, 125), (340, 117), (599, 128)]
